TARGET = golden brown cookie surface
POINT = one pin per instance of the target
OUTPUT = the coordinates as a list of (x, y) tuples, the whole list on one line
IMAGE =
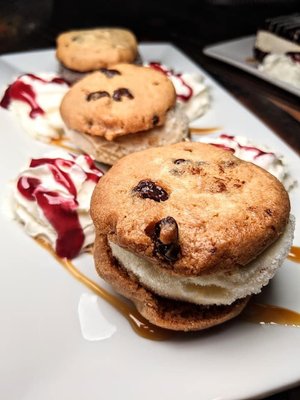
[(117, 101), (88, 50), (190, 208)]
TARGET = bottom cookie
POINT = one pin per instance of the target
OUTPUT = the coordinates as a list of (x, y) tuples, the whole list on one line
[(163, 312)]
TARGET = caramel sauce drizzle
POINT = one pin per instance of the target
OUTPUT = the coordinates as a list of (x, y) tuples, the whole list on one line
[(203, 131), (63, 142), (294, 254), (269, 314), (254, 312), (251, 60), (138, 323)]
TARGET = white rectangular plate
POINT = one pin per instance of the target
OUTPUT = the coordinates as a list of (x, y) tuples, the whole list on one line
[(238, 52), (43, 353)]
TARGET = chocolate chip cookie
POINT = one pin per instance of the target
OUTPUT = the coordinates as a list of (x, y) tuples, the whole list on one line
[(122, 109)]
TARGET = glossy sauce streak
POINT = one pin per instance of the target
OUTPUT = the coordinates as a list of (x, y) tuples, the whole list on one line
[(294, 254), (254, 312), (60, 211), (251, 60), (139, 324), (268, 314), (24, 92), (203, 131), (168, 72), (63, 143)]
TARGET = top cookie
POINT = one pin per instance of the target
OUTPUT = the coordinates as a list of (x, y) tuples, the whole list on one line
[(113, 102), (190, 208), (88, 50)]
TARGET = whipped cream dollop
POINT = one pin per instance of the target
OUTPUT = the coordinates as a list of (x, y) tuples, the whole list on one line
[(51, 198), (191, 91), (211, 288), (284, 67), (35, 99), (260, 155)]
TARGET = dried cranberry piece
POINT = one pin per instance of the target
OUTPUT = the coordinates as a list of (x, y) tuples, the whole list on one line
[(294, 55), (97, 95), (119, 93), (109, 73), (180, 161), (149, 190), (155, 120), (165, 237)]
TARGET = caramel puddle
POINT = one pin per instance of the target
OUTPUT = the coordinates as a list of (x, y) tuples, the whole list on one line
[(254, 312), (251, 60), (269, 314), (138, 323), (294, 254), (62, 142), (203, 131)]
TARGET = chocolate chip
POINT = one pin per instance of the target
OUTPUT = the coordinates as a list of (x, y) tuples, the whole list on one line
[(147, 189), (109, 73), (269, 212), (165, 237), (188, 167), (180, 161), (119, 93), (155, 120), (97, 95)]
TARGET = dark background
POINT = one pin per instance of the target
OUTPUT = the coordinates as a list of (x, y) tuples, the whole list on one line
[(35, 23)]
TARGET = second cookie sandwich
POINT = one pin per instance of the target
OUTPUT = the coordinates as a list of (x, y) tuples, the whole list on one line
[(121, 110)]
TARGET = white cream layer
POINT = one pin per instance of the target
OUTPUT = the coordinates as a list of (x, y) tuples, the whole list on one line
[(32, 216), (49, 125), (281, 67), (199, 102), (219, 288), (270, 43)]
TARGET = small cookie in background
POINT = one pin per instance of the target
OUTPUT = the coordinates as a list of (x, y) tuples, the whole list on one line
[(189, 233), (83, 51), (121, 110)]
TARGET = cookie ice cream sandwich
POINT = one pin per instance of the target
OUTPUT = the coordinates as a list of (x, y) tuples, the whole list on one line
[(84, 51), (119, 110), (189, 233)]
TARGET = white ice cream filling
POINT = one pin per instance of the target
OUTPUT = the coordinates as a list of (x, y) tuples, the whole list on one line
[(207, 289)]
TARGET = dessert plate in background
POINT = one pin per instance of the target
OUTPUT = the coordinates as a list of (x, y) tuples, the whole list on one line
[(44, 353), (239, 52)]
